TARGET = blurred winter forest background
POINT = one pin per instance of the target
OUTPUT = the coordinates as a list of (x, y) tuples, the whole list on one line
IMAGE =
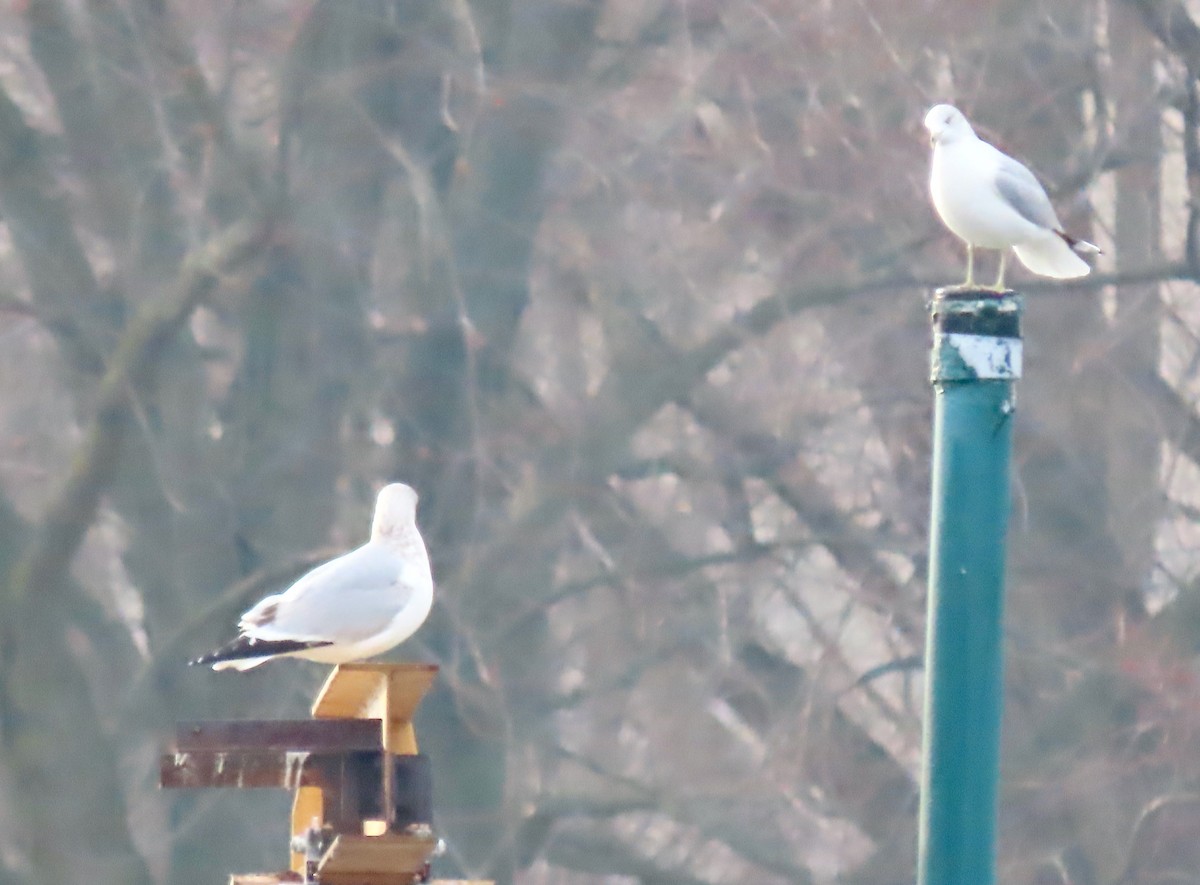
[(633, 292)]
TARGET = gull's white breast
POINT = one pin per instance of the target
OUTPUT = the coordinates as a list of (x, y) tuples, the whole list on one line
[(962, 184)]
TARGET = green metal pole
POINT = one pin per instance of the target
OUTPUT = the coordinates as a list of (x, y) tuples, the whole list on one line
[(976, 361)]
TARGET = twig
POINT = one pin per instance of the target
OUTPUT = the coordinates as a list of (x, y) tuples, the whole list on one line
[(45, 561)]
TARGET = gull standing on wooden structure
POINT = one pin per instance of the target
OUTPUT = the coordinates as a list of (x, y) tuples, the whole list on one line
[(989, 200), (353, 607)]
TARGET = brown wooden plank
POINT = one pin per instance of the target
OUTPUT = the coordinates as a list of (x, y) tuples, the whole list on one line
[(375, 860), (299, 735), (356, 772), (239, 768)]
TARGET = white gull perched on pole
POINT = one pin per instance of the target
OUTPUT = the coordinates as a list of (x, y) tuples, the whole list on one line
[(989, 200), (353, 607)]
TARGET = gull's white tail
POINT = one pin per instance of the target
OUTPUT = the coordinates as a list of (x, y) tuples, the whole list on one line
[(1054, 255)]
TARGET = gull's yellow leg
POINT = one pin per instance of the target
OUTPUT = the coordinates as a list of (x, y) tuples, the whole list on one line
[(999, 287)]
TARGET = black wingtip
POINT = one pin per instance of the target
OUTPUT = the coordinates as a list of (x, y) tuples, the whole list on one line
[(246, 647), (1078, 246)]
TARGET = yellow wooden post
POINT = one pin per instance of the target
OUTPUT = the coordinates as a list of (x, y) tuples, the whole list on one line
[(308, 809), (276, 879), (391, 694), (388, 692), (312, 757)]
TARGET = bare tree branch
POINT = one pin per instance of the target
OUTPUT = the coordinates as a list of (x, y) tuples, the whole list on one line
[(48, 556), (1170, 22)]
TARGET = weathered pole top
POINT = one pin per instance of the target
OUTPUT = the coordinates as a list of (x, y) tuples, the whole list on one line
[(976, 335)]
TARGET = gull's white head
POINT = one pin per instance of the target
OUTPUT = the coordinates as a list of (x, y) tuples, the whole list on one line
[(946, 125), (395, 511)]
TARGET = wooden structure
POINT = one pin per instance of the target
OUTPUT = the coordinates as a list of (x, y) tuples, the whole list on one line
[(362, 811)]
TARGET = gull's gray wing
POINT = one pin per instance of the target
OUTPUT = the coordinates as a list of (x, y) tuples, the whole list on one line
[(345, 600), (1020, 189)]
